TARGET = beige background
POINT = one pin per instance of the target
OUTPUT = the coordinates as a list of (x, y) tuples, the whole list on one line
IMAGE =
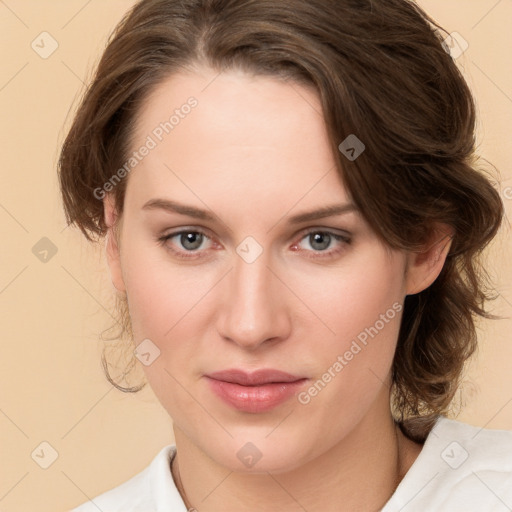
[(52, 384)]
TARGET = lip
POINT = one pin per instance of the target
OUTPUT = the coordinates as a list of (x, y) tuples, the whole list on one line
[(254, 392), (258, 377)]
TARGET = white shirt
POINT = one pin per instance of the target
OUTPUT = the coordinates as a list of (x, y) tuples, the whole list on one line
[(461, 468)]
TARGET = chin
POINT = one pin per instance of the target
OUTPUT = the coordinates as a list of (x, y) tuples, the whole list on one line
[(259, 454)]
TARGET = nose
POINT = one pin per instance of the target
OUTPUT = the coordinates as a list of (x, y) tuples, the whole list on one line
[(255, 310)]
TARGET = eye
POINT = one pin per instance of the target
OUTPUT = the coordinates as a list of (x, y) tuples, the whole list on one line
[(189, 239), (320, 240), (190, 242)]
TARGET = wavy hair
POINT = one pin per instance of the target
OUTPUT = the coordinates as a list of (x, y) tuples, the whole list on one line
[(382, 72)]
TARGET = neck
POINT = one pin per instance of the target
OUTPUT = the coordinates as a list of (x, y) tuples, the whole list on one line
[(361, 472)]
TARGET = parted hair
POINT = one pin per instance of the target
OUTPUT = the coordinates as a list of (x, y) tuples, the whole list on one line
[(383, 73)]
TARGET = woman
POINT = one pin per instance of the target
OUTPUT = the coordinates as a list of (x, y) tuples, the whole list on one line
[(293, 212)]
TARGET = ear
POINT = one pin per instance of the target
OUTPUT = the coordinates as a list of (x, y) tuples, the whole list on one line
[(112, 249), (425, 265)]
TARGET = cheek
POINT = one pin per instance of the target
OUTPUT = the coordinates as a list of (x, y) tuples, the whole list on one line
[(369, 302), (364, 310), (161, 301), (169, 304), (159, 293), (358, 296)]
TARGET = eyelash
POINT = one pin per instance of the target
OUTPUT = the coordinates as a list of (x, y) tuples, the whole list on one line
[(325, 254)]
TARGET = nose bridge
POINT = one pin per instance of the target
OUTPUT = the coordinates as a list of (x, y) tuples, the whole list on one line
[(255, 309)]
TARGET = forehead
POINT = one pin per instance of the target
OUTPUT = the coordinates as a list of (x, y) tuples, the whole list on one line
[(228, 95), (258, 137)]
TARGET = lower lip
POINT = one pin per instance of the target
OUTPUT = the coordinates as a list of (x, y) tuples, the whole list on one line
[(255, 398)]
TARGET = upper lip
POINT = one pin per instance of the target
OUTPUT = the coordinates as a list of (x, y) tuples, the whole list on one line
[(258, 377)]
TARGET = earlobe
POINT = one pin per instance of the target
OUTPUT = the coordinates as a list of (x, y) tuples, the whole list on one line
[(113, 253), (424, 266)]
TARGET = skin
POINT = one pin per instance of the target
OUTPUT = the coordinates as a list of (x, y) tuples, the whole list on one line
[(254, 152)]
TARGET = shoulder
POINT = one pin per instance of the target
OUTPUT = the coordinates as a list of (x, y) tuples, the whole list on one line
[(140, 493), (460, 467), (482, 448)]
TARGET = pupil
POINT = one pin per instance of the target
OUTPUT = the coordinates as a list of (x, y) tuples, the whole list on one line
[(189, 238), (318, 238)]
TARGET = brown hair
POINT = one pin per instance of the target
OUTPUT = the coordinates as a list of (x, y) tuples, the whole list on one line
[(383, 74)]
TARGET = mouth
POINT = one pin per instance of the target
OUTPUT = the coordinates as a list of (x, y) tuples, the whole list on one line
[(255, 392)]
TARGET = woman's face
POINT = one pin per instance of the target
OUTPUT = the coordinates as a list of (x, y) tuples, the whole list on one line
[(247, 286)]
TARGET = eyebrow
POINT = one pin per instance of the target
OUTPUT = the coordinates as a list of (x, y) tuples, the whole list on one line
[(198, 213)]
